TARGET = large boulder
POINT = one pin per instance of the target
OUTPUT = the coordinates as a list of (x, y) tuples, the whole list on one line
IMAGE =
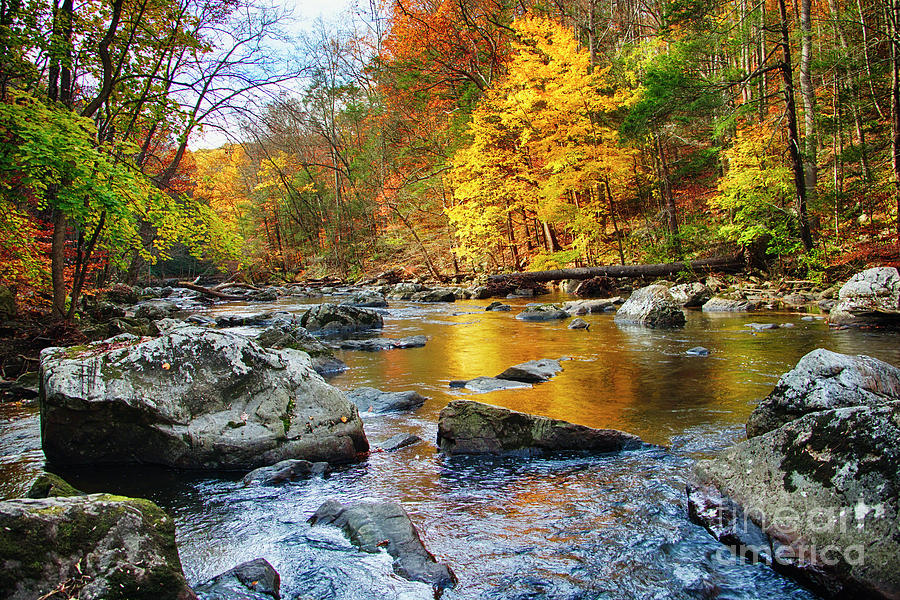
[(825, 490), (869, 298), (651, 306), (89, 547), (375, 525), (331, 319), (292, 335), (825, 380), (193, 398), (252, 580), (691, 295), (369, 399), (468, 427)]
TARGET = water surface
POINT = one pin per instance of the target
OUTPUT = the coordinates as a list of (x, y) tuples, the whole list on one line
[(612, 526)]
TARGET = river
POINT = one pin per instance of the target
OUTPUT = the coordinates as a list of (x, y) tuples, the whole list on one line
[(606, 527)]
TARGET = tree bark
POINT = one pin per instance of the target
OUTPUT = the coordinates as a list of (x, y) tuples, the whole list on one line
[(808, 92)]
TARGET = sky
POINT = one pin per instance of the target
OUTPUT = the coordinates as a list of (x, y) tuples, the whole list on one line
[(305, 13)]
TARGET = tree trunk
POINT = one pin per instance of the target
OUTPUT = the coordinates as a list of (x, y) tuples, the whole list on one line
[(669, 198), (793, 132), (58, 263), (808, 92), (895, 105)]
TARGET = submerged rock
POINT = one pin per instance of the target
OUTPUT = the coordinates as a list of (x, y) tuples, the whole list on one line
[(369, 399), (375, 525), (285, 470), (252, 580), (498, 306), (467, 427), (331, 319), (579, 324), (825, 380), (489, 384), (96, 546), (543, 312), (533, 371), (651, 306), (698, 351), (401, 440), (869, 298), (194, 398)]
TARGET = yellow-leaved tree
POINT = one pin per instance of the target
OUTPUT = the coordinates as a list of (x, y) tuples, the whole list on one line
[(544, 165)]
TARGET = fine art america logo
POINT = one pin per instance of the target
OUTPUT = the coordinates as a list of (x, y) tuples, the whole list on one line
[(795, 537)]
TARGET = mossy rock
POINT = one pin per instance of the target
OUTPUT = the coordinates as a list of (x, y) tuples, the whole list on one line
[(97, 546), (48, 485)]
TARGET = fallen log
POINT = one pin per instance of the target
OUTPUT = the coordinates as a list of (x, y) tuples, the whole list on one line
[(207, 291), (727, 264)]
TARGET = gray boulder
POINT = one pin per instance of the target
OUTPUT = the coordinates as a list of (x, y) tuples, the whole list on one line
[(825, 380), (366, 299), (498, 306), (375, 525), (401, 440), (264, 295), (467, 427), (691, 295), (533, 371), (156, 309), (285, 470), (719, 304), (543, 312), (331, 319), (824, 488), (651, 306), (578, 323), (869, 298), (252, 580), (194, 398), (489, 384), (369, 399), (405, 290), (378, 344), (260, 318), (434, 295), (96, 546), (290, 335)]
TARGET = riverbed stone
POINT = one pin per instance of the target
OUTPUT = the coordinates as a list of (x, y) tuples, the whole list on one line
[(96, 546), (405, 290), (378, 344), (294, 336), (155, 309), (368, 399), (825, 380), (399, 441), (489, 384), (598, 306), (579, 323), (498, 306), (434, 295), (50, 485), (869, 298), (331, 319), (252, 580), (286, 470), (691, 295), (697, 351), (372, 526), (533, 371), (366, 299), (719, 304), (193, 398), (651, 306), (542, 312), (468, 427)]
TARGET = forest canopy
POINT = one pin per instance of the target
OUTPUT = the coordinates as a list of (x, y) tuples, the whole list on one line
[(442, 136)]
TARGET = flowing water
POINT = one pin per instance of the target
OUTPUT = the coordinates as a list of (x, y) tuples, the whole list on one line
[(612, 526)]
